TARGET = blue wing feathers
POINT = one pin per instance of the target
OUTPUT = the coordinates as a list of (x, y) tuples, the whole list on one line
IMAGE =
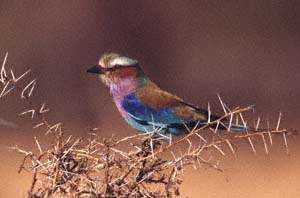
[(145, 112), (143, 116)]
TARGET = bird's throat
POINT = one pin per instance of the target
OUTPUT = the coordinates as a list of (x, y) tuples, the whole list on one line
[(119, 90)]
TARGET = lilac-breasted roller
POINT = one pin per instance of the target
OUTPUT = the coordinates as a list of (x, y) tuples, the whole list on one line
[(143, 104)]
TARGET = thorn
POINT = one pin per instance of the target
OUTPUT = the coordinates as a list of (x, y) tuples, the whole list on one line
[(228, 109), (53, 127), (222, 104), (4, 89), (195, 127), (217, 126), (24, 74), (209, 112), (3, 71), (269, 132), (38, 145), (219, 149), (202, 138), (42, 110), (4, 92), (224, 125), (285, 142), (26, 87), (200, 149), (31, 111), (278, 122), (230, 122), (230, 146), (242, 118), (265, 143), (252, 146), (31, 90), (257, 124), (190, 145), (151, 145), (187, 127), (38, 125), (237, 120), (12, 75)]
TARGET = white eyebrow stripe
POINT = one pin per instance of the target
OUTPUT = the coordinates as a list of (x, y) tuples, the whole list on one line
[(122, 61)]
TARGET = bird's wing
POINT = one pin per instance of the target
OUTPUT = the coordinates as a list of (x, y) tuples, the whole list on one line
[(156, 98), (151, 105)]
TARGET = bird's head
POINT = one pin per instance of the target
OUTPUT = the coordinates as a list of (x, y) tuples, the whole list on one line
[(114, 68)]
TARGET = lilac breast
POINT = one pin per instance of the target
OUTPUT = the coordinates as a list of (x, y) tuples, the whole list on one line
[(119, 90)]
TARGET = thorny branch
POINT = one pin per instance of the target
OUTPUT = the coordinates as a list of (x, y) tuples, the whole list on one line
[(96, 167)]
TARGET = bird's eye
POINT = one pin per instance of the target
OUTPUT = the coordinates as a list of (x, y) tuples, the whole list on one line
[(117, 66)]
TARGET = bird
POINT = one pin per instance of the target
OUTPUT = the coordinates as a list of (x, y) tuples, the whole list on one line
[(144, 105)]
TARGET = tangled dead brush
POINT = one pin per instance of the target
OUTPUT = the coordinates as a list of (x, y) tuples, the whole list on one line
[(148, 166)]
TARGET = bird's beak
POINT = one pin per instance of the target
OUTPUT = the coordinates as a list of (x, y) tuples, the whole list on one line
[(96, 70)]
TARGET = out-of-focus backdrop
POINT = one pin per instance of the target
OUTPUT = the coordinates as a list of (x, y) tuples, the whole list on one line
[(248, 51)]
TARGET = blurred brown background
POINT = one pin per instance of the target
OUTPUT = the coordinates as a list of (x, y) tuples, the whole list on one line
[(248, 51)]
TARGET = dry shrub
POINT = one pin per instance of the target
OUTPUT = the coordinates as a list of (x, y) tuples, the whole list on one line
[(103, 167)]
